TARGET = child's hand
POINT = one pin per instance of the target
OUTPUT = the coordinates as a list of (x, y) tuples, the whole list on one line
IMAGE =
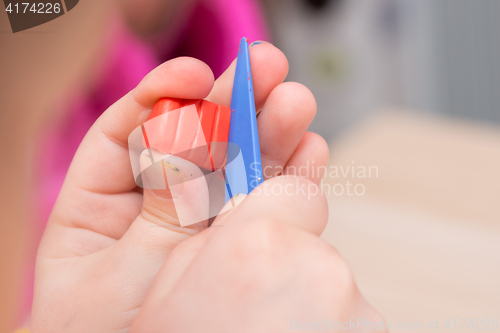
[(105, 241), (259, 268)]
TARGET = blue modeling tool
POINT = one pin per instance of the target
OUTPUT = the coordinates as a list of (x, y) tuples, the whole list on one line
[(242, 176)]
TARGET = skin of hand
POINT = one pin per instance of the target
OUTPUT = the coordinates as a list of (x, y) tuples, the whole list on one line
[(106, 241), (261, 267)]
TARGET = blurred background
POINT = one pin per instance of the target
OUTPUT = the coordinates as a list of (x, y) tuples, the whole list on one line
[(433, 56), (408, 87)]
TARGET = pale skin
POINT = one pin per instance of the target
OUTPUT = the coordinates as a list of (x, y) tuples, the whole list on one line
[(113, 259)]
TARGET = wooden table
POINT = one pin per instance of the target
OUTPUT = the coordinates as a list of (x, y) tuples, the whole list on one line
[(424, 239)]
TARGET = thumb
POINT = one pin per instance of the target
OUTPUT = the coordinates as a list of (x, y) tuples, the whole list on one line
[(175, 191), (175, 205)]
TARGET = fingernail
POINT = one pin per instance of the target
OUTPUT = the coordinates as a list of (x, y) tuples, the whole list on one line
[(146, 159), (238, 198), (157, 170), (257, 42), (170, 165), (150, 171), (173, 179)]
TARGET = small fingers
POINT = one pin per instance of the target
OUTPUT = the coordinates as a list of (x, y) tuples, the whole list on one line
[(285, 117), (101, 174), (102, 162), (309, 159)]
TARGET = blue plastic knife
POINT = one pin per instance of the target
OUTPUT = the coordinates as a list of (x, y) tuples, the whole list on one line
[(242, 176)]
